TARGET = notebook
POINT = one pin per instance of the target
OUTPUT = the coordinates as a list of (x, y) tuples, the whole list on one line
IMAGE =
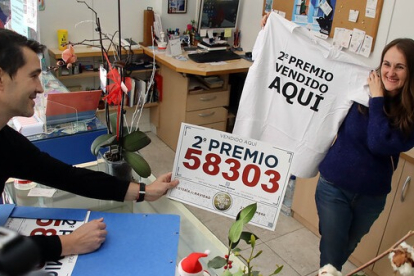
[(63, 107)]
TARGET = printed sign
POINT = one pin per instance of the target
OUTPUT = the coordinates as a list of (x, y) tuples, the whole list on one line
[(223, 173), (48, 227)]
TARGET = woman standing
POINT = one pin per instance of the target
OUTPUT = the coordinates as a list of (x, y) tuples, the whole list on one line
[(355, 175)]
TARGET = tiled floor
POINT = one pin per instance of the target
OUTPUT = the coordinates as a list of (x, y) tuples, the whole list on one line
[(290, 245)]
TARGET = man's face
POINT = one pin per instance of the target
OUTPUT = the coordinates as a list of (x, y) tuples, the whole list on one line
[(17, 94)]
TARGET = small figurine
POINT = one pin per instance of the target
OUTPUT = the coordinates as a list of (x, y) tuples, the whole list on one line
[(68, 56), (190, 266)]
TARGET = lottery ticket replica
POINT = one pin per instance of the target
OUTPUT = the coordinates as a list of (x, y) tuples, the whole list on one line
[(223, 173)]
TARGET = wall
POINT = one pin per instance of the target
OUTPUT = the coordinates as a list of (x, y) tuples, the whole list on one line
[(395, 20), (80, 21)]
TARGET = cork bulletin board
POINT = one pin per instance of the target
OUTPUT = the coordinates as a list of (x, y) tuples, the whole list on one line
[(341, 15)]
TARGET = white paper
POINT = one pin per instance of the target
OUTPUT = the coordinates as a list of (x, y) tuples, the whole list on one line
[(366, 46), (174, 47), (223, 173), (357, 40), (281, 13), (337, 37), (36, 192), (326, 8), (371, 8), (30, 227), (203, 32), (346, 38), (353, 15)]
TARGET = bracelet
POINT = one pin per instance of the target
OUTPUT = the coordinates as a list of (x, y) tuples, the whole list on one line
[(141, 193)]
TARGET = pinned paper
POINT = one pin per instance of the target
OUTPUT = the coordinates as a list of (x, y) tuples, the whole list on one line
[(326, 8), (210, 33), (353, 15), (366, 46), (371, 8), (227, 32), (357, 40), (281, 13), (203, 32)]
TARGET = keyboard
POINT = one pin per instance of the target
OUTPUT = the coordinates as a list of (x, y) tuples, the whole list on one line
[(213, 56)]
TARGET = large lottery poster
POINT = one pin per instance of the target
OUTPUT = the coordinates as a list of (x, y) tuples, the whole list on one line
[(223, 173)]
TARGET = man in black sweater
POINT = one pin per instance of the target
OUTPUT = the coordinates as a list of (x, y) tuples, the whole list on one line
[(19, 85)]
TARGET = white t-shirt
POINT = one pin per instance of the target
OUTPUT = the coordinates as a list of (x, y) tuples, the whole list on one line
[(297, 93)]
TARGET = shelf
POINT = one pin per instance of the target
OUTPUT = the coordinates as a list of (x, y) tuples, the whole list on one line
[(147, 105), (91, 74), (82, 51)]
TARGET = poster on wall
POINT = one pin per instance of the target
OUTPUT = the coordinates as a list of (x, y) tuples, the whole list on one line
[(315, 15)]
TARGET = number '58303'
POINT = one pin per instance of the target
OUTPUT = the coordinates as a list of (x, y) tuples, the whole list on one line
[(250, 174)]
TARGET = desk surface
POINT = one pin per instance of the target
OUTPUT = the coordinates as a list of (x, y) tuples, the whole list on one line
[(194, 236), (202, 69)]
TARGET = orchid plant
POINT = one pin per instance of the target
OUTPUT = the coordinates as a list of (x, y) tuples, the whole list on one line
[(236, 234)]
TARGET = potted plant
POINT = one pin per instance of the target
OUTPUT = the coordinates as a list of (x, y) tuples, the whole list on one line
[(121, 142), (236, 234), (122, 154)]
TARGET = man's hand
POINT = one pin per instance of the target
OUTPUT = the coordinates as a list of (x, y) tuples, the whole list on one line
[(159, 187), (85, 239)]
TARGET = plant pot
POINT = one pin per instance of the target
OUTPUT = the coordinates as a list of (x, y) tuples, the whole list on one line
[(120, 169)]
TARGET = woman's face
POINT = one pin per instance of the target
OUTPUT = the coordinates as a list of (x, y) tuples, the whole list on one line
[(394, 71)]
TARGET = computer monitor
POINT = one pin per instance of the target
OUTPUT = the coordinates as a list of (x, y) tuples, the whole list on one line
[(218, 14)]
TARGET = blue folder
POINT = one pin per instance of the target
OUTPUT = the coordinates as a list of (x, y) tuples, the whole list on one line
[(136, 244)]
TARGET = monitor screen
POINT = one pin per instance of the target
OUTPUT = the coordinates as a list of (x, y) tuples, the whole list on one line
[(216, 14)]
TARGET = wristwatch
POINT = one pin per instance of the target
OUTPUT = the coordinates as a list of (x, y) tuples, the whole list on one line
[(141, 193)]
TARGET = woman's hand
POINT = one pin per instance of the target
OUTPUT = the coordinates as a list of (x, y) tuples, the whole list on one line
[(85, 239), (375, 84), (264, 19)]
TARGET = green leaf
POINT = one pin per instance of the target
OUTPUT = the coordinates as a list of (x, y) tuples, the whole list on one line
[(135, 141), (258, 254), (137, 163), (217, 262), (235, 231), (277, 271), (247, 237), (255, 273), (101, 141), (247, 213), (112, 121)]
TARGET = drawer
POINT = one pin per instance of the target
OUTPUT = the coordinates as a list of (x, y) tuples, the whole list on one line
[(217, 126), (206, 116), (207, 100)]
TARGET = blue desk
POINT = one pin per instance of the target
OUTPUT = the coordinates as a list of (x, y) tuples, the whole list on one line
[(70, 142)]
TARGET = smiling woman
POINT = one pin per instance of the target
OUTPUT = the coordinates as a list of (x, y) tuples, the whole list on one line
[(355, 175)]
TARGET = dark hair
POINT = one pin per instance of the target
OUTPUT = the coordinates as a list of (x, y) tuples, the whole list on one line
[(11, 53), (400, 110)]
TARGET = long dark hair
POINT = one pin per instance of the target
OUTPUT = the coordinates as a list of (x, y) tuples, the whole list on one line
[(400, 109)]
